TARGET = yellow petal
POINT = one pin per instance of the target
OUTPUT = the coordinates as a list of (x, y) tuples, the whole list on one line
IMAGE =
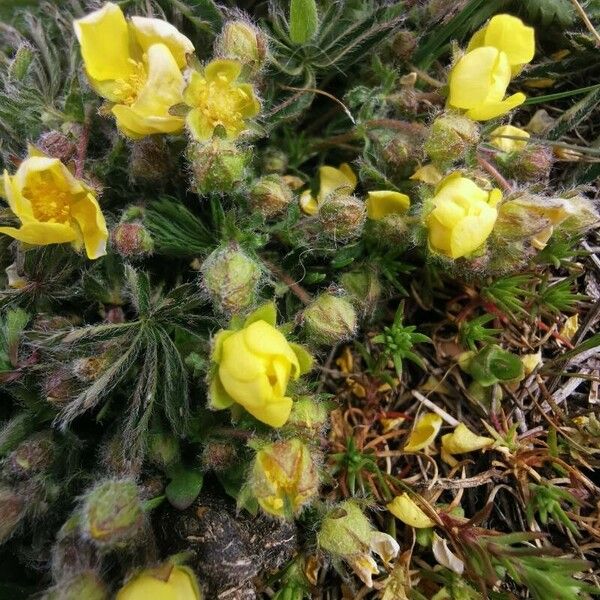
[(217, 344), (104, 39), (346, 169), (200, 126), (507, 144), (427, 174), (163, 88), (462, 440), (218, 397), (570, 328), (86, 211), (181, 584), (149, 31), (424, 432), (183, 581), (471, 232), (335, 180), (264, 339), (491, 110), (238, 360), (308, 203), (41, 234), (404, 508), (223, 70), (510, 35), (248, 106), (531, 361), (382, 203), (365, 567), (274, 414)]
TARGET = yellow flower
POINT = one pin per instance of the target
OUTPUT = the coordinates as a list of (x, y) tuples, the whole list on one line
[(53, 206), (168, 582), (463, 216), (424, 432), (341, 180), (217, 98), (509, 144), (478, 83), (403, 507), (284, 477), (136, 65), (255, 365), (382, 203), (463, 440), (509, 35)]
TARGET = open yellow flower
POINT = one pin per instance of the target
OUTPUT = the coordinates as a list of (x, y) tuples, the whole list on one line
[(424, 432), (478, 83), (284, 477), (341, 180), (137, 66), (217, 98), (382, 203), (509, 35), (463, 216), (509, 144), (255, 365), (168, 582), (53, 206), (403, 507)]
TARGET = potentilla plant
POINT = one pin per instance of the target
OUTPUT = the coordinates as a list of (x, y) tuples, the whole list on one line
[(288, 294)]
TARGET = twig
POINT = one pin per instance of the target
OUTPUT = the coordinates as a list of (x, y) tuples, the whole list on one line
[(293, 285), (486, 166), (586, 20), (436, 409)]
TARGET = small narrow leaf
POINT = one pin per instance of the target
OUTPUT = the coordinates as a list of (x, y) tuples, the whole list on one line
[(303, 20)]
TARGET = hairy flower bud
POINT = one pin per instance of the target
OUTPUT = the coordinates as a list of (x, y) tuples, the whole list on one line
[(346, 533), (275, 161), (242, 41), (112, 513), (218, 166), (284, 478), (58, 387), (163, 449), (32, 456), (342, 217), (231, 278), (450, 138), (329, 320), (532, 163), (13, 507), (363, 287), (132, 240), (308, 413), (270, 195), (86, 585), (149, 161), (218, 455), (57, 145)]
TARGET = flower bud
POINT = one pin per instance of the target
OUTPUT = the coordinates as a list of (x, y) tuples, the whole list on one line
[(404, 44), (218, 455), (450, 138), (363, 287), (82, 586), (163, 449), (241, 40), (218, 166), (58, 387), (112, 513), (149, 161), (165, 582), (231, 278), (346, 533), (274, 161), (32, 456), (329, 320), (270, 195), (13, 507), (533, 163), (308, 414), (132, 240), (342, 217), (57, 145), (284, 478)]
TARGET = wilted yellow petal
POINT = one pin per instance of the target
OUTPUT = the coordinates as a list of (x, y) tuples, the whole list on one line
[(462, 440), (507, 144), (427, 174), (530, 362), (570, 328), (308, 203), (382, 203), (342, 180), (403, 507), (424, 432)]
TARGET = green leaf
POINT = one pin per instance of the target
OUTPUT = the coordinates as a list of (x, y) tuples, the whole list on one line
[(493, 364), (304, 357), (304, 20), (74, 108), (267, 312), (184, 487)]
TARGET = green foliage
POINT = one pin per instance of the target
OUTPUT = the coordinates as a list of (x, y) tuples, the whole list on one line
[(473, 331), (509, 293), (304, 20), (493, 365), (559, 251), (558, 297), (11, 328), (546, 501), (184, 487), (548, 12)]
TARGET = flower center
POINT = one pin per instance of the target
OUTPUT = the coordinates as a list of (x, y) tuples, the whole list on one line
[(220, 103), (49, 203), (128, 89)]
